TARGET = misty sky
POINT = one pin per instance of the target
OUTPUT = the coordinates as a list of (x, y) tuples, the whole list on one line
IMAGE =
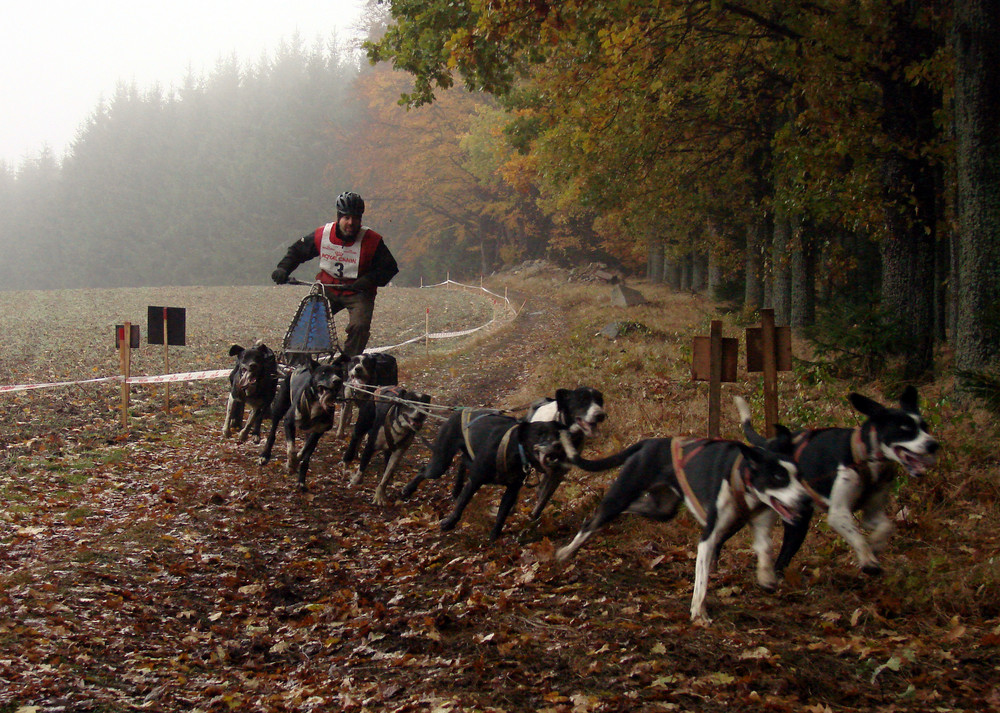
[(61, 56)]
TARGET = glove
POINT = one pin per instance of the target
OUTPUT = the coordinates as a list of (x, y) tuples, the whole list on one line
[(279, 276), (363, 284)]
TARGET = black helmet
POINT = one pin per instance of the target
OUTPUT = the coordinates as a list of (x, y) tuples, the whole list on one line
[(349, 203)]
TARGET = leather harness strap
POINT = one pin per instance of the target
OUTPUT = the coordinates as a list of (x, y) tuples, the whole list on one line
[(858, 449), (738, 475), (502, 451), (679, 459), (389, 393), (502, 464), (466, 421)]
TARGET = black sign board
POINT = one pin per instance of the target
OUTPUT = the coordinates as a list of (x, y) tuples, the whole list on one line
[(174, 317), (133, 342)]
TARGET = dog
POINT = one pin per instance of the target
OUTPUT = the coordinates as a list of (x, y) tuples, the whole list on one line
[(363, 373), (252, 382), (495, 449), (724, 484), (307, 401), (581, 411), (846, 469), (389, 422)]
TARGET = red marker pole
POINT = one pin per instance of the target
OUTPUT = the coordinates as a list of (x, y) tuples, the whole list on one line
[(125, 359), (166, 363)]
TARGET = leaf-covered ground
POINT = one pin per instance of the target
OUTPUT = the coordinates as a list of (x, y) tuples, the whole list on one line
[(161, 569)]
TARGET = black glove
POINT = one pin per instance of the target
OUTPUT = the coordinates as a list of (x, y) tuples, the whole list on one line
[(363, 284), (280, 276)]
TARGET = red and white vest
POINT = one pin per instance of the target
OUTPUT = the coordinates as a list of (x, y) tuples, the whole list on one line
[(341, 263)]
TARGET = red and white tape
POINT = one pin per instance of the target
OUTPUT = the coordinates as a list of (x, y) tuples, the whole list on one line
[(158, 379)]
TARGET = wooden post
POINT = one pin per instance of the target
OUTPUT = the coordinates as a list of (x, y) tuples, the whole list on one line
[(166, 362), (770, 371), (715, 379), (125, 359), (427, 331)]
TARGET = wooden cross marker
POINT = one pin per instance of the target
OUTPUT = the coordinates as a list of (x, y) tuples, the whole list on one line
[(714, 360)]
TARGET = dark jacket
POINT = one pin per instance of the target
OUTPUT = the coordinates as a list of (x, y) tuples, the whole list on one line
[(382, 269)]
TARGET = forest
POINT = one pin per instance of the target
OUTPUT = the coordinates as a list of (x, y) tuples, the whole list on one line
[(836, 161)]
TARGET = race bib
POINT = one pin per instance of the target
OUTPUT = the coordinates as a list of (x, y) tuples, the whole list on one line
[(340, 261)]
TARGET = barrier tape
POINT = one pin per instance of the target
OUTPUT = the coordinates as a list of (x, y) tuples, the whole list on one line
[(28, 387), (224, 373), (187, 376)]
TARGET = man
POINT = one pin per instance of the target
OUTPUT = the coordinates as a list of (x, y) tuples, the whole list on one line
[(354, 262)]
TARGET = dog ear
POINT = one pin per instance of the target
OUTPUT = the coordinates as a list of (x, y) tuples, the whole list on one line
[(783, 439), (865, 405), (235, 349), (910, 400), (562, 400)]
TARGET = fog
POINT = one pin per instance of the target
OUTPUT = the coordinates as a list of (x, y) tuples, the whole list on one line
[(63, 57)]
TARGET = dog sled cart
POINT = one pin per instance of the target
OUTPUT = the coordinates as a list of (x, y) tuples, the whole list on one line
[(312, 332)]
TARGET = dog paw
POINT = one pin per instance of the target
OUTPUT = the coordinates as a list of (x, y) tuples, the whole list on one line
[(380, 499), (263, 460), (700, 619), (448, 524), (768, 586), (872, 569)]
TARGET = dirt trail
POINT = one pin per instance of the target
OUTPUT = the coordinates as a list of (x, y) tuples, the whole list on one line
[(495, 366)]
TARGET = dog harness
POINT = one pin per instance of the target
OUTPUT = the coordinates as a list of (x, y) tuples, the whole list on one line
[(861, 454), (389, 393), (738, 474), (502, 463)]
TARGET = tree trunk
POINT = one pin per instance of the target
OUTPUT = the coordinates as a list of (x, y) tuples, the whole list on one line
[(714, 274), (909, 191), (699, 264), (487, 247), (754, 294), (781, 297), (654, 260), (977, 118), (803, 278), (671, 271)]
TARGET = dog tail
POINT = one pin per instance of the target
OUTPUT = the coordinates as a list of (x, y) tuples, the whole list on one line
[(595, 466), (752, 436)]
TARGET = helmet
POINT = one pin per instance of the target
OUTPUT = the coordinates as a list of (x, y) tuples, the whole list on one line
[(349, 203)]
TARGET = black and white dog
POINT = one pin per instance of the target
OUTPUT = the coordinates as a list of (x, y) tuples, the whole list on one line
[(388, 423), (581, 411), (252, 382), (495, 449), (362, 374), (847, 469), (724, 484), (306, 401)]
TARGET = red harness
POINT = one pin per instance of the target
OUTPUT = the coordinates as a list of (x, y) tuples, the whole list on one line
[(738, 474)]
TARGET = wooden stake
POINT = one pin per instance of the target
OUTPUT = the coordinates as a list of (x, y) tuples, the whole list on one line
[(125, 358), (770, 371), (166, 364), (427, 331), (715, 379)]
